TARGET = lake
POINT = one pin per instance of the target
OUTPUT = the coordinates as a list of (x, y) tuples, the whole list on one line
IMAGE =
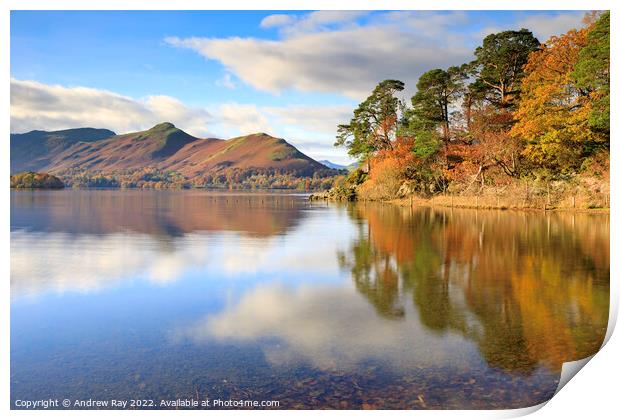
[(152, 295)]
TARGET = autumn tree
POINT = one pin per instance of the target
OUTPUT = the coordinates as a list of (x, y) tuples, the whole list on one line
[(519, 108), (499, 64), (35, 180), (374, 123), (473, 96), (486, 115), (437, 91), (591, 75), (553, 114)]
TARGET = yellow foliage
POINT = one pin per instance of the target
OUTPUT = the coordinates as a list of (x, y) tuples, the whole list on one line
[(553, 114)]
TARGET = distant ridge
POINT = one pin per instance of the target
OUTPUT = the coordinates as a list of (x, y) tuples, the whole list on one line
[(332, 165), (163, 147), (33, 150)]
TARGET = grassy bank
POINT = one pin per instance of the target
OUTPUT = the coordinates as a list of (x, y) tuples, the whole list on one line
[(582, 193), (502, 203), (573, 203)]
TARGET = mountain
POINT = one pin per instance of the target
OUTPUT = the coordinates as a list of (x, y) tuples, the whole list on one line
[(126, 151), (163, 147), (351, 167), (332, 165), (257, 150), (33, 150)]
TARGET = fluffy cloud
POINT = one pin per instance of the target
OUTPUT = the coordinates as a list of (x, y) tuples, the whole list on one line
[(276, 21), (238, 119), (226, 81), (332, 52), (544, 26), (310, 22), (36, 105), (349, 61), (322, 119)]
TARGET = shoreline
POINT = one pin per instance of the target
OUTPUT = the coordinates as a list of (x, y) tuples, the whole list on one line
[(439, 201), (446, 202), (477, 203)]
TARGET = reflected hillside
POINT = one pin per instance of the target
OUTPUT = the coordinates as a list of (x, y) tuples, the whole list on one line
[(87, 241), (527, 288), (154, 212)]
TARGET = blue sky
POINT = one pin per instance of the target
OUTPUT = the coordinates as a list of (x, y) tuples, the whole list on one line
[(292, 74)]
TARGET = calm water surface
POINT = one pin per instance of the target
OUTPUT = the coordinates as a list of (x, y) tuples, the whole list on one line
[(164, 295)]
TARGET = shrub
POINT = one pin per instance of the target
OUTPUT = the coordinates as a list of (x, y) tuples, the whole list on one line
[(35, 180)]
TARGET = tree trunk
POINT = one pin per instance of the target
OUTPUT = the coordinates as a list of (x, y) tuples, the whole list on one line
[(446, 123)]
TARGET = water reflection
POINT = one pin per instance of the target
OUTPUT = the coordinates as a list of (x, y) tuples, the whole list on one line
[(170, 294), (330, 328), (158, 213), (527, 289), (87, 241)]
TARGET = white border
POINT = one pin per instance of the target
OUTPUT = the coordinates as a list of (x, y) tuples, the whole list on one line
[(593, 394)]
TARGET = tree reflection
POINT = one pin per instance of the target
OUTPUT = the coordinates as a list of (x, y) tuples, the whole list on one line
[(529, 289), (375, 277)]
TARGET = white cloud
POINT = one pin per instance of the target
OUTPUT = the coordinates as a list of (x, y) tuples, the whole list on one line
[(243, 119), (333, 52), (428, 23), (277, 20), (291, 24), (322, 119), (350, 59), (544, 26), (226, 81), (322, 20), (313, 128), (36, 105)]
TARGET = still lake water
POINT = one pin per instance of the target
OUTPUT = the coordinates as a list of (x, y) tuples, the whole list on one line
[(172, 294)]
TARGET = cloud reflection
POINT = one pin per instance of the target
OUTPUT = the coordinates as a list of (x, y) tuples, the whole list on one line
[(329, 327), (59, 262)]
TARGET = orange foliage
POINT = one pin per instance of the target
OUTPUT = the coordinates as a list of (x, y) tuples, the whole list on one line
[(387, 170), (492, 148), (400, 155), (553, 114)]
